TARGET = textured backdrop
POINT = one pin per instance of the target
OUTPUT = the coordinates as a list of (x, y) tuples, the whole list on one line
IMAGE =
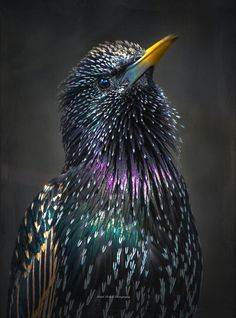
[(42, 40)]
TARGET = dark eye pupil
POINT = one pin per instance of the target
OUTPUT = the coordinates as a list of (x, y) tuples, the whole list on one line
[(103, 83)]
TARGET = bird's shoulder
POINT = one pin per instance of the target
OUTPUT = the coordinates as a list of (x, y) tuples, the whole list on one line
[(35, 226), (34, 254)]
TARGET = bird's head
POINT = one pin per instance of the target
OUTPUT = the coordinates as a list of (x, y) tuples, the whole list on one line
[(112, 111)]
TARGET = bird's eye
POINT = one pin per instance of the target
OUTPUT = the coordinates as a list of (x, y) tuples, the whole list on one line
[(104, 83)]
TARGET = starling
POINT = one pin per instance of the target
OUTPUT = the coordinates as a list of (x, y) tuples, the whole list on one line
[(113, 235)]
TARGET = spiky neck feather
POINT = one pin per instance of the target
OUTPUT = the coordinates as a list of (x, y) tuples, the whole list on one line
[(134, 129)]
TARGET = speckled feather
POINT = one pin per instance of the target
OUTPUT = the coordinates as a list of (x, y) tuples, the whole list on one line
[(113, 235)]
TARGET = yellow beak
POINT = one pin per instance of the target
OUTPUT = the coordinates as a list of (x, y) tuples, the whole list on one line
[(151, 56)]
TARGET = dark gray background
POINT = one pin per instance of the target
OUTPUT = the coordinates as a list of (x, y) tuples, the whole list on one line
[(42, 40)]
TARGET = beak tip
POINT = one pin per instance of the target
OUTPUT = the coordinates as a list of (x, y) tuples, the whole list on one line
[(173, 37)]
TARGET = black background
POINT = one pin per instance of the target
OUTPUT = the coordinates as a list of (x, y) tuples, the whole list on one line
[(42, 40)]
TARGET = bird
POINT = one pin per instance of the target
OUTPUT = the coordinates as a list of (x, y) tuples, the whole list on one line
[(113, 235)]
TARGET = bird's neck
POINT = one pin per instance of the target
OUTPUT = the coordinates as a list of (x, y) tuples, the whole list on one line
[(138, 189)]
